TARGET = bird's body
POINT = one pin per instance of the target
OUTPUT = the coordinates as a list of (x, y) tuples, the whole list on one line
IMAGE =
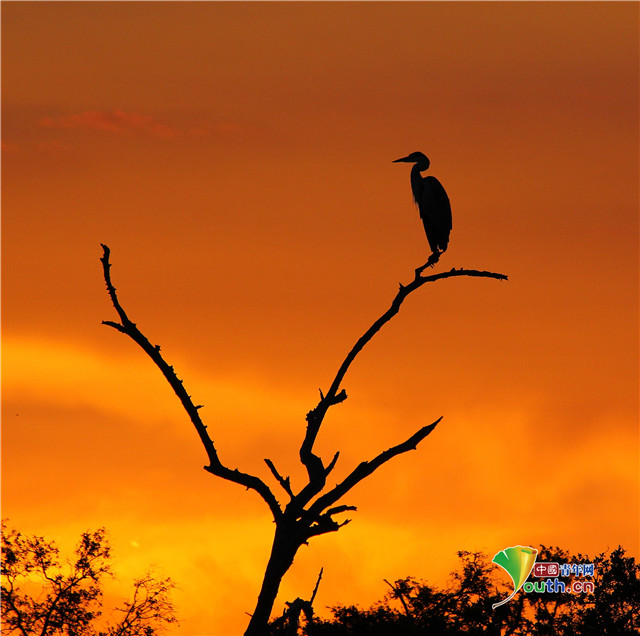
[(433, 204)]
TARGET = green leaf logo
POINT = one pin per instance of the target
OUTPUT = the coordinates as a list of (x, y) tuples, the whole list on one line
[(517, 562)]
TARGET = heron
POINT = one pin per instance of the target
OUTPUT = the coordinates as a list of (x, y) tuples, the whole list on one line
[(433, 204)]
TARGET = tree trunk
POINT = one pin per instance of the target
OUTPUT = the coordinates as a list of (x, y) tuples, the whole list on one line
[(285, 546)]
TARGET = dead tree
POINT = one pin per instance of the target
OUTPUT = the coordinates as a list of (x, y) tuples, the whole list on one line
[(310, 511)]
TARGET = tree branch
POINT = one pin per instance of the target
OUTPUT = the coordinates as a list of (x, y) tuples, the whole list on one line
[(284, 482), (366, 468), (403, 292), (215, 466), (335, 395), (315, 589), (332, 464), (339, 509), (399, 594)]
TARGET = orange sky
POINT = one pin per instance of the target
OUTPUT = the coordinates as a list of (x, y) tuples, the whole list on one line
[(237, 160)]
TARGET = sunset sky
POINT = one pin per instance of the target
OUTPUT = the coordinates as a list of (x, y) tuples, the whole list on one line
[(237, 159)]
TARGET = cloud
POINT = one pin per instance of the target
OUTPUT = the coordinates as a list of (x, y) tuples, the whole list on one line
[(65, 374), (120, 122), (117, 122)]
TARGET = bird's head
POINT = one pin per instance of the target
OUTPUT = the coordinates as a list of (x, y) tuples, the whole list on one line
[(415, 157)]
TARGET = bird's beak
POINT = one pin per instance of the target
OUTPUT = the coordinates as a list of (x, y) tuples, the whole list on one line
[(404, 159)]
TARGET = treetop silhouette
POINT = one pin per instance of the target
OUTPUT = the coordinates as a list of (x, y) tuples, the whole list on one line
[(42, 598)]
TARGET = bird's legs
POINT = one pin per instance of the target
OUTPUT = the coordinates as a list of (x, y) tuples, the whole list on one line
[(434, 257)]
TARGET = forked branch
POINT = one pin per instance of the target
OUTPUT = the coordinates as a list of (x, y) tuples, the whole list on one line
[(366, 468), (335, 395), (216, 467)]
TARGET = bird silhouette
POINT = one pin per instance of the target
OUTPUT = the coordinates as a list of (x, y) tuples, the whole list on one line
[(433, 204)]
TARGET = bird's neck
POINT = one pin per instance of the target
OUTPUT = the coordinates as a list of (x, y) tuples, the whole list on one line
[(416, 180)]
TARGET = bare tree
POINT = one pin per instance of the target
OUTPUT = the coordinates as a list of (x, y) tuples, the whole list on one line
[(311, 510)]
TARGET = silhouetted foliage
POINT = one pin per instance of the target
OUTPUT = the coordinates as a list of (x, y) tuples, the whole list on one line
[(463, 606), (38, 598)]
